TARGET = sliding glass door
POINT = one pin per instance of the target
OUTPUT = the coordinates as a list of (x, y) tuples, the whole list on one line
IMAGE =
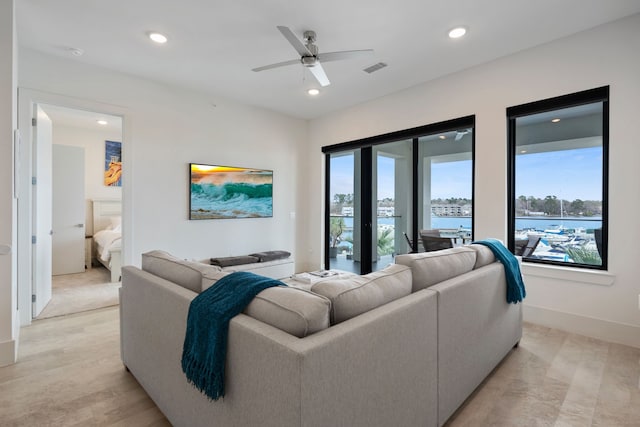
[(345, 211), (391, 206), (383, 191)]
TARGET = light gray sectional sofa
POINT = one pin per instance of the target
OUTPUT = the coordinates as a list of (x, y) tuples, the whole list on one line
[(404, 346)]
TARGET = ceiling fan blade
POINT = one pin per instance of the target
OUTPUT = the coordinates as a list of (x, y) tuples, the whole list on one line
[(345, 54), (295, 42), (319, 74), (459, 136), (279, 64)]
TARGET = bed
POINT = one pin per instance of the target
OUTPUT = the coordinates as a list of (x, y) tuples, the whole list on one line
[(107, 235)]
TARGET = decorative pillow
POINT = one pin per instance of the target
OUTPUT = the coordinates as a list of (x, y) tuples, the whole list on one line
[(184, 273), (292, 310), (271, 255), (356, 295), (434, 267), (234, 260)]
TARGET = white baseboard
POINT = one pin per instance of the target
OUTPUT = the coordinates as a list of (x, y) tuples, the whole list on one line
[(605, 330), (8, 353)]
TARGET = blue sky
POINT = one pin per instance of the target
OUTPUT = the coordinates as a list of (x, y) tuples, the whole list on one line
[(570, 174)]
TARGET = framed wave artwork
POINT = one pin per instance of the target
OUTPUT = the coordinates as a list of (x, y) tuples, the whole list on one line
[(218, 192)]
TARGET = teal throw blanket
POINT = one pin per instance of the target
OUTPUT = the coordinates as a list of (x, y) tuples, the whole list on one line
[(515, 285), (205, 342)]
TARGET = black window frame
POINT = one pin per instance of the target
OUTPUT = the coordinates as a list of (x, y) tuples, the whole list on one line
[(600, 94)]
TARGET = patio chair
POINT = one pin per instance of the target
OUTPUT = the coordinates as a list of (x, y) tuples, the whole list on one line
[(431, 240), (526, 247)]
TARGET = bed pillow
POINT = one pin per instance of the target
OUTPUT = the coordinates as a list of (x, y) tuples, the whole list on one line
[(271, 255), (115, 221), (295, 311), (355, 295)]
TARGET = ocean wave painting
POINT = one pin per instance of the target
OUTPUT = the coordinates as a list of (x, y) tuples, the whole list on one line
[(230, 192)]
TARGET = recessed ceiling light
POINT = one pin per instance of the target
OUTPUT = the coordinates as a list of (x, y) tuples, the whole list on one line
[(102, 122), (75, 51), (555, 120), (523, 151), (313, 92), (157, 37), (457, 32), (442, 137)]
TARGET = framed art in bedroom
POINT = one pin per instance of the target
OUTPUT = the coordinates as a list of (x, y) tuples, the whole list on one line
[(218, 192)]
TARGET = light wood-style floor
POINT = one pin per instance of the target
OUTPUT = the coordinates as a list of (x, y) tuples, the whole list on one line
[(70, 374)]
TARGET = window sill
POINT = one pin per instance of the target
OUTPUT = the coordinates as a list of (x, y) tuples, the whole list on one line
[(594, 277)]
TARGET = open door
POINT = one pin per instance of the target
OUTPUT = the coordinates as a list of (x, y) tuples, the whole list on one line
[(42, 218)]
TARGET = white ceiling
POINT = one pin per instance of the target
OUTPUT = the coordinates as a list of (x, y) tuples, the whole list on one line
[(82, 119), (213, 45)]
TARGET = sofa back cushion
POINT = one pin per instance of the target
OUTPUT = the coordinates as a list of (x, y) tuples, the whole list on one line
[(429, 268), (484, 255), (292, 310), (181, 272), (355, 295)]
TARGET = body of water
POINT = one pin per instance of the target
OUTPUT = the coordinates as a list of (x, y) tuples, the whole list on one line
[(522, 223)]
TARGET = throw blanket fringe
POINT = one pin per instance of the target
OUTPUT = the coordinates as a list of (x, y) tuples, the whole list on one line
[(205, 342), (515, 284)]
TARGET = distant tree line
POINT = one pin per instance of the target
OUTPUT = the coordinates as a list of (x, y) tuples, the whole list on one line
[(458, 201), (550, 205)]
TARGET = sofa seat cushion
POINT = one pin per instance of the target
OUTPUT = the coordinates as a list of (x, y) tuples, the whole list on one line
[(434, 267), (292, 310), (185, 273), (352, 296)]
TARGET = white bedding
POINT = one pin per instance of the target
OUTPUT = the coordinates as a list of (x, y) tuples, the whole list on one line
[(106, 241)]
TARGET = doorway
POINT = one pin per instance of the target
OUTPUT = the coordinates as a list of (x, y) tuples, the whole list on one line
[(71, 169)]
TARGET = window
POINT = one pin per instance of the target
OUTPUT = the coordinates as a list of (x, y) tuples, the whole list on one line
[(381, 191), (558, 160)]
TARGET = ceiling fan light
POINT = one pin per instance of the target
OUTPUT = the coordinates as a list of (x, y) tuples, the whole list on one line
[(157, 37), (313, 92), (457, 32)]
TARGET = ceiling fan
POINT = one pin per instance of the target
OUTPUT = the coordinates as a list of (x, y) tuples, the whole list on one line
[(461, 133), (310, 57)]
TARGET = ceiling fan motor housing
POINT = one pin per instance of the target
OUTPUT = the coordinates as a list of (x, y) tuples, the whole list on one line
[(310, 60)]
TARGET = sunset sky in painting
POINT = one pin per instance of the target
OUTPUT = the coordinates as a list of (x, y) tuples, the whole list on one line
[(217, 175)]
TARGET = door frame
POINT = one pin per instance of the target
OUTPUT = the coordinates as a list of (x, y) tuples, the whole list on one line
[(27, 100)]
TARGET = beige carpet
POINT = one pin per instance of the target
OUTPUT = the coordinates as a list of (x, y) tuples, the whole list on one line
[(74, 293)]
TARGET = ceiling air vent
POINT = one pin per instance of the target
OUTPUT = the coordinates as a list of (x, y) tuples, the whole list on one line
[(375, 67)]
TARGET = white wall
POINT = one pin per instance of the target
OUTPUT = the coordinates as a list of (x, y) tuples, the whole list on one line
[(92, 140), (93, 143), (607, 55), (165, 128), (8, 122)]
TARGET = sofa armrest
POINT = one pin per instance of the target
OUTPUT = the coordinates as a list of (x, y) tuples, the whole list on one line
[(476, 330)]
